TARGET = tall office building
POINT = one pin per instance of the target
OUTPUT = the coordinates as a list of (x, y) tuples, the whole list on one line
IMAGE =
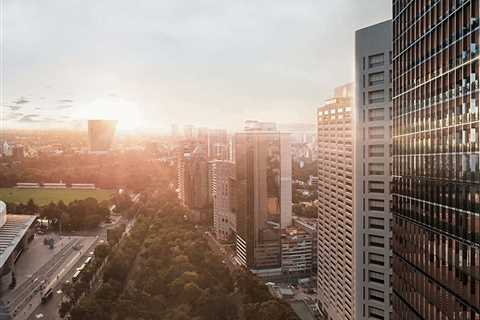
[(217, 144), (222, 189), (263, 190), (436, 174), (101, 134), (372, 179), (192, 177), (336, 278)]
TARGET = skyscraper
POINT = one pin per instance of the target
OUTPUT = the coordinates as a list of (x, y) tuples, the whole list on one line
[(222, 185), (336, 278), (372, 121), (217, 144), (192, 177), (101, 134), (263, 189), (436, 174)]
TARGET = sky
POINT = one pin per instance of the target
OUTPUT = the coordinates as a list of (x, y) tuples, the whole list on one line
[(152, 63)]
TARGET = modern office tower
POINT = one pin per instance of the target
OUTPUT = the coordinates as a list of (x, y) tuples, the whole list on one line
[(263, 190), (372, 179), (436, 174), (101, 134), (192, 171), (217, 144), (335, 276), (222, 186)]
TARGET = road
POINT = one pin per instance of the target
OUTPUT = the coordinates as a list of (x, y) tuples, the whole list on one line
[(49, 311)]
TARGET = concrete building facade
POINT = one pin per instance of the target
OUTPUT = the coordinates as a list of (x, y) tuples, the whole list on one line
[(222, 184), (372, 178), (336, 252)]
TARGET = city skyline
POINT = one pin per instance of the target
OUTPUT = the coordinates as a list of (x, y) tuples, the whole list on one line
[(179, 63)]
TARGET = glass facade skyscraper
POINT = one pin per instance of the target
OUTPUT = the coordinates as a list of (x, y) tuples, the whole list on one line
[(436, 173)]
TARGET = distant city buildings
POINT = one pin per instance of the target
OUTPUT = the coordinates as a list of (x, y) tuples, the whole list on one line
[(336, 269), (254, 125), (372, 178), (101, 134)]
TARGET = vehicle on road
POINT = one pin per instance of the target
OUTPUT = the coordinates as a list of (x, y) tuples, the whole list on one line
[(47, 295)]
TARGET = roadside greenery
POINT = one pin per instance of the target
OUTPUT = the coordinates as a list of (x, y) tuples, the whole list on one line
[(163, 269)]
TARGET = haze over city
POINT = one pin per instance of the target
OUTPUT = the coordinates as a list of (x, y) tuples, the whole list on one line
[(240, 160), (164, 62)]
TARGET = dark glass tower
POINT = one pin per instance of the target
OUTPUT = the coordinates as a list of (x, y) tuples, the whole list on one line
[(436, 174)]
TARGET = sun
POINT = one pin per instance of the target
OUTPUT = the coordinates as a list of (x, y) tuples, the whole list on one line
[(128, 114)]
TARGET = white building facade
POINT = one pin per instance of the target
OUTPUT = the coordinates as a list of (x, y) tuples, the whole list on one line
[(372, 119)]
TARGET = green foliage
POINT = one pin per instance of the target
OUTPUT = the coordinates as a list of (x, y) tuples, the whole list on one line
[(77, 215), (165, 270)]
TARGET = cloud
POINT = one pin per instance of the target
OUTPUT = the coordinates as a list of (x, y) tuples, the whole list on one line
[(13, 115), (30, 118), (21, 100), (64, 107), (14, 108)]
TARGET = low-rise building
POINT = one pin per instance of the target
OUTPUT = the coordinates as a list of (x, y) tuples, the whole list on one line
[(297, 251)]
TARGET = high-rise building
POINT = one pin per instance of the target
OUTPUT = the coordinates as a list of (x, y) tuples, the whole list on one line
[(217, 144), (202, 135), (192, 177), (436, 173), (222, 190), (372, 122), (335, 276), (263, 190), (101, 134)]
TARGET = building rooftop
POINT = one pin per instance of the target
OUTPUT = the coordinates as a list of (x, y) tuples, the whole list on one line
[(11, 233)]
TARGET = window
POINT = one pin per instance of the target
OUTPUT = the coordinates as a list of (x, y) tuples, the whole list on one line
[(376, 169), (377, 78), (376, 223), (376, 150), (376, 277), (376, 205), (377, 60), (376, 241), (376, 186), (377, 295), (376, 115), (376, 259), (376, 132), (377, 96)]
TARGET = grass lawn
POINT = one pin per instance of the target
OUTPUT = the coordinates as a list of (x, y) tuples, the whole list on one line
[(45, 196)]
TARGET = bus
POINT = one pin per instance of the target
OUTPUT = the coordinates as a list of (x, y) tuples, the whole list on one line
[(47, 295), (88, 260), (76, 275)]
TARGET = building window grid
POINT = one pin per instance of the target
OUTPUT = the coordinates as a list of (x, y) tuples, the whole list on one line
[(436, 176)]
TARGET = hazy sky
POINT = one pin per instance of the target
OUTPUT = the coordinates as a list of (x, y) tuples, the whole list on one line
[(156, 62)]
